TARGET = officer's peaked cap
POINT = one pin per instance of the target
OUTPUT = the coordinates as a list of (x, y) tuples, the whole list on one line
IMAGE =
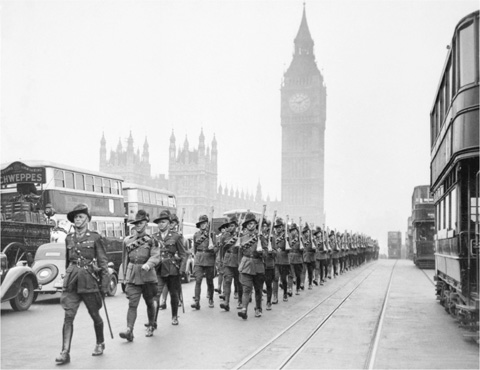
[(81, 208)]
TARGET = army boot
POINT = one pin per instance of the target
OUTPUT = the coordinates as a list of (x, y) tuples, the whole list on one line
[(195, 305), (243, 313), (258, 312), (100, 346), (127, 334), (210, 303), (275, 298), (67, 332)]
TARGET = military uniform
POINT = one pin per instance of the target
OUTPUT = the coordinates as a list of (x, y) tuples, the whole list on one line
[(335, 252), (229, 255), (308, 254), (296, 260), (321, 256), (173, 262), (251, 268), (282, 262), (86, 268), (204, 262), (269, 262), (139, 250)]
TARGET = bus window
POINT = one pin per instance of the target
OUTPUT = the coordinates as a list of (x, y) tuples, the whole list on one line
[(107, 187), (101, 228), (110, 229), (115, 187), (89, 182), (79, 182), (59, 179), (98, 185), (466, 55), (69, 181), (159, 199), (171, 201)]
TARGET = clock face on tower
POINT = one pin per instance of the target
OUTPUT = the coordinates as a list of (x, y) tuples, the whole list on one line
[(299, 102)]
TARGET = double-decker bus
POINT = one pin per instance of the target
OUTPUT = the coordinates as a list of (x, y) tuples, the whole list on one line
[(64, 187), (27, 187), (423, 228), (151, 200), (394, 244), (454, 174)]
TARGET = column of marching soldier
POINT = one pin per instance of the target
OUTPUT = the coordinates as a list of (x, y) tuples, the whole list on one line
[(257, 258)]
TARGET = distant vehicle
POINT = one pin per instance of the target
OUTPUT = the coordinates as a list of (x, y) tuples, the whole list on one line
[(394, 244), (455, 178), (423, 227), (17, 284), (151, 200), (49, 269)]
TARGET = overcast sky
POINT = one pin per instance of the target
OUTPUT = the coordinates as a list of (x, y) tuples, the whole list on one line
[(71, 70)]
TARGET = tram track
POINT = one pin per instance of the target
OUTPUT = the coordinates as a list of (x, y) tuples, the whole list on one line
[(254, 359)]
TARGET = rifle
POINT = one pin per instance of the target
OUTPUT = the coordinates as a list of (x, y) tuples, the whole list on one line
[(259, 242), (300, 232), (180, 227), (287, 238), (210, 230), (269, 247)]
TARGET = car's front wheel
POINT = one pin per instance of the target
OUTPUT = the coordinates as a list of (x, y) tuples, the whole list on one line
[(24, 298), (112, 287)]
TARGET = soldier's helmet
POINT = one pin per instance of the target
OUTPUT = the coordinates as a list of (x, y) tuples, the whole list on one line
[(292, 226), (317, 230), (202, 219), (140, 216), (248, 218), (332, 233), (228, 221), (278, 222), (164, 215), (306, 228), (174, 218), (80, 208), (266, 222)]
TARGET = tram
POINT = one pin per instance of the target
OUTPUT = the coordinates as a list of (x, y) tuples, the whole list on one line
[(454, 175), (423, 228), (394, 244)]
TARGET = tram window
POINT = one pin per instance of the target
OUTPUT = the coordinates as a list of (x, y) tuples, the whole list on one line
[(79, 181), (59, 179), (447, 211), (107, 186), (98, 185), (69, 180), (89, 182), (466, 55), (454, 208)]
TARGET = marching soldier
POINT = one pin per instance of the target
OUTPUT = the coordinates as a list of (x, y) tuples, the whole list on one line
[(173, 261), (204, 249), (321, 258), (251, 268), (309, 253), (282, 262), (295, 258), (140, 256), (85, 258), (335, 252), (269, 261), (229, 254), (219, 263)]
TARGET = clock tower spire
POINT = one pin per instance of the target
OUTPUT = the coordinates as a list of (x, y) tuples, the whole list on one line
[(303, 119)]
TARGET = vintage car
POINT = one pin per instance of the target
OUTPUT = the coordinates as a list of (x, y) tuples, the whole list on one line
[(49, 268), (17, 284)]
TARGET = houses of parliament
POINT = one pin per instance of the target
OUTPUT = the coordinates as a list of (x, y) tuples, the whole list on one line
[(193, 173)]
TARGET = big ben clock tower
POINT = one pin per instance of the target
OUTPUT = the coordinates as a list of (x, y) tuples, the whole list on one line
[(303, 116)]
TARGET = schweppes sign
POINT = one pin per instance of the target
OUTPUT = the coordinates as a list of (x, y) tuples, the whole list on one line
[(19, 172)]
